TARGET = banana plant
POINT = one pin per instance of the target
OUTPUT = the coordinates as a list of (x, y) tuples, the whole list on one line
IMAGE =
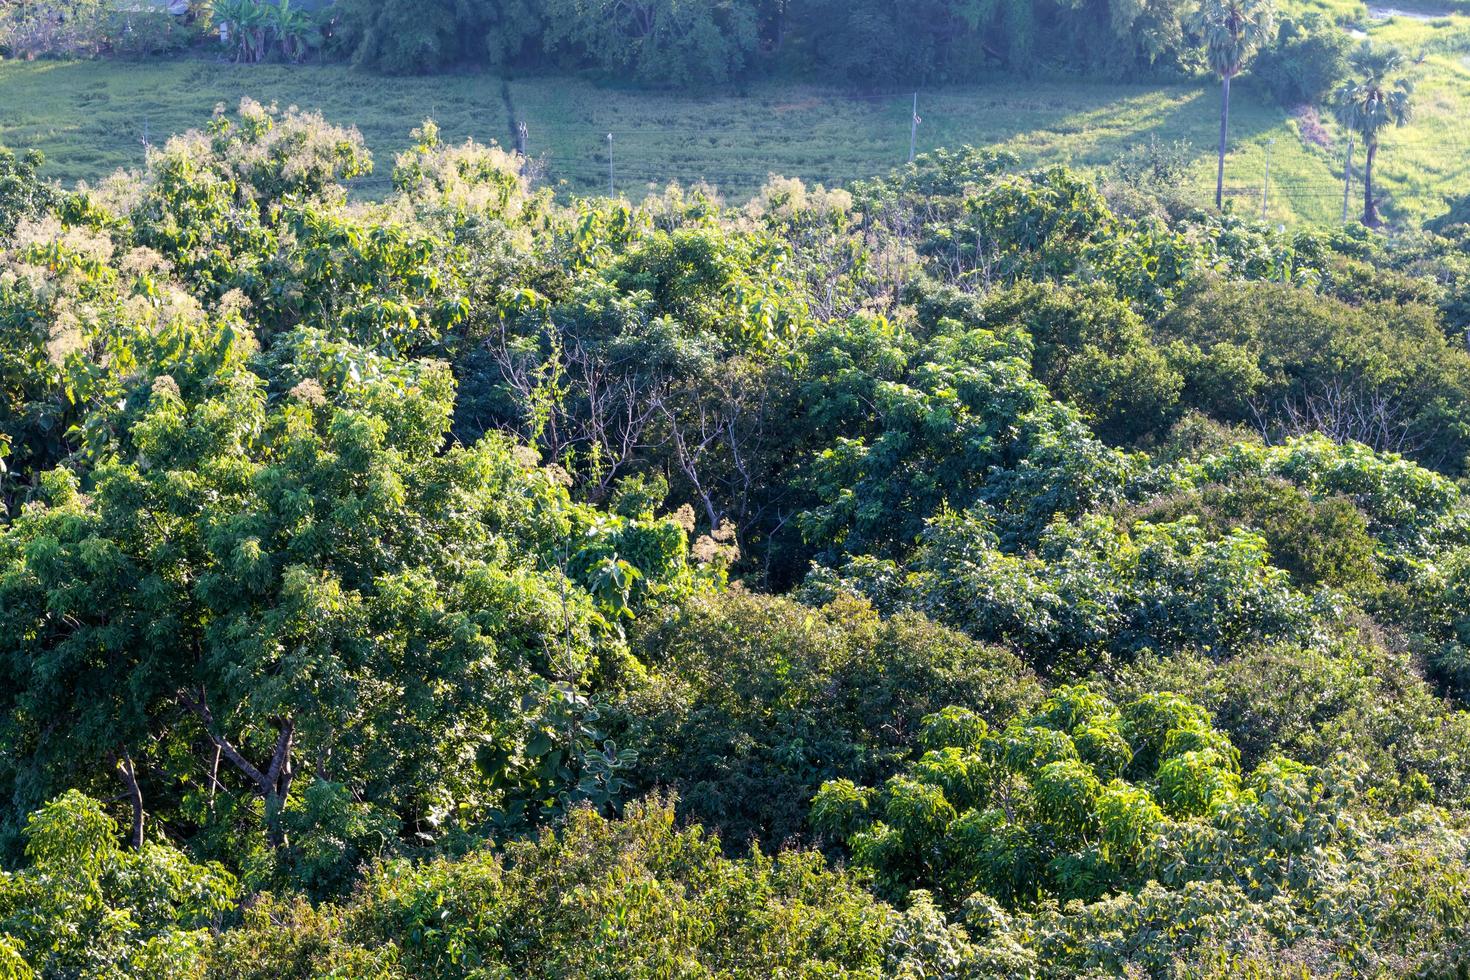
[(296, 30), (246, 26)]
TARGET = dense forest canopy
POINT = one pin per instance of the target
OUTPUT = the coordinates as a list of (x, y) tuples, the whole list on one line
[(675, 43), (868, 42), (973, 572)]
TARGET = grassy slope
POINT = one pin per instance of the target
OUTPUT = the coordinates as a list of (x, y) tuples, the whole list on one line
[(735, 142), (89, 118)]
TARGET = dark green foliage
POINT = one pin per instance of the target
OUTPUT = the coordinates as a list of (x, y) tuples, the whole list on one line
[(408, 38), (759, 700), (675, 42), (1323, 705), (965, 422), (658, 42), (1318, 541), (1306, 61), (386, 552), (1094, 352), (1092, 591), (1289, 361)]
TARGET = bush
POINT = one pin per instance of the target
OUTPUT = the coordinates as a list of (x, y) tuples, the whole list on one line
[(1319, 541), (596, 898), (1094, 352), (1341, 701), (1305, 62), (148, 33), (55, 28), (1093, 592), (1062, 802), (757, 700), (1290, 361)]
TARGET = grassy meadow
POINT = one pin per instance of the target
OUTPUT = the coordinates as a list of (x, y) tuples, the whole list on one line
[(92, 117)]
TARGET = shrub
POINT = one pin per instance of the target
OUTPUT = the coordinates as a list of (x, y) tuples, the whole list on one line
[(1305, 62), (755, 701), (1034, 809)]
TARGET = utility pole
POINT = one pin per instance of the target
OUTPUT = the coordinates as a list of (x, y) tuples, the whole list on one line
[(610, 191), (914, 121), (1266, 187), (1347, 176), (523, 134), (146, 143)]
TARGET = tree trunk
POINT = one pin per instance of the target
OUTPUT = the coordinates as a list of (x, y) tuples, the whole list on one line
[(274, 783), (128, 771), (1224, 127), (1347, 178), (1370, 206)]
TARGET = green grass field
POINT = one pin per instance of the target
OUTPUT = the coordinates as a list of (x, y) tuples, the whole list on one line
[(91, 117)]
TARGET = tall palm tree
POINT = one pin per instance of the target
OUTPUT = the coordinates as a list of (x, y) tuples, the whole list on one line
[(1232, 31), (1370, 103)]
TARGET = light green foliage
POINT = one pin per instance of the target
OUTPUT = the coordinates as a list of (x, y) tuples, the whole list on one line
[(83, 907), (1185, 867), (1347, 701), (1039, 807), (263, 563), (598, 898)]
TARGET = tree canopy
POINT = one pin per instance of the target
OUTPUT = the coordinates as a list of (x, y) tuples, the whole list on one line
[(949, 575)]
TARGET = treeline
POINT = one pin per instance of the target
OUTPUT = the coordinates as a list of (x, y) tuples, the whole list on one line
[(975, 572), (677, 42), (667, 43)]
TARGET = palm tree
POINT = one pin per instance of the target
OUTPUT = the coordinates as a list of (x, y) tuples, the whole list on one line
[(1371, 103), (1232, 31)]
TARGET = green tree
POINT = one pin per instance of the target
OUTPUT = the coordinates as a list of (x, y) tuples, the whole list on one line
[(311, 585), (23, 194), (1378, 97), (758, 699), (1232, 31), (84, 907), (658, 42)]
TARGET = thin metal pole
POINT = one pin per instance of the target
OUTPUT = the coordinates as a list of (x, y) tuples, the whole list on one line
[(1266, 187), (610, 191), (914, 129)]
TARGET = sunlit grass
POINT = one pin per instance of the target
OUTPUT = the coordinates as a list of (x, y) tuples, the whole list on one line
[(90, 118)]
